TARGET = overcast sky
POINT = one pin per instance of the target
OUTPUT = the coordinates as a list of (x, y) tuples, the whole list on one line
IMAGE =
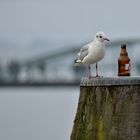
[(68, 20)]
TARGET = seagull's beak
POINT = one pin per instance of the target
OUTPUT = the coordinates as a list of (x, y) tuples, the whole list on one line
[(106, 39)]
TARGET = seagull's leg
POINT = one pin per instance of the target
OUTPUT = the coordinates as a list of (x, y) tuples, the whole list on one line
[(97, 70), (89, 71)]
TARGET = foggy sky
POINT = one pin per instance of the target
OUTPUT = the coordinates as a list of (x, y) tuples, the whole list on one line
[(67, 20)]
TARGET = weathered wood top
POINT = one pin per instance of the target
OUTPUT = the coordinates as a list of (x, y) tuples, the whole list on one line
[(110, 81)]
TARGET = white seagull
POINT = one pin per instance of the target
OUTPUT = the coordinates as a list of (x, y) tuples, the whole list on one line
[(93, 52)]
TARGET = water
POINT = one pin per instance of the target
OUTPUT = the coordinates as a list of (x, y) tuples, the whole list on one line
[(37, 113)]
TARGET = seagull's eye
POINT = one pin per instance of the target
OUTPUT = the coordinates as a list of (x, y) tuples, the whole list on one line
[(97, 36), (100, 36)]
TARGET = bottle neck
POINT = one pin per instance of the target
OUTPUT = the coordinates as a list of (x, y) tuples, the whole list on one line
[(123, 51)]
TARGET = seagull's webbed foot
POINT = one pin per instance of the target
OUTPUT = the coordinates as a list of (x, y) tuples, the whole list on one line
[(90, 77), (97, 76)]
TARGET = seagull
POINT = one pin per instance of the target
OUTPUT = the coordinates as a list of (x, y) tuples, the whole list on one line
[(93, 52)]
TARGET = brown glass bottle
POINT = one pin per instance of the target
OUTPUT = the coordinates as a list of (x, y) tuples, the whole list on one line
[(123, 62)]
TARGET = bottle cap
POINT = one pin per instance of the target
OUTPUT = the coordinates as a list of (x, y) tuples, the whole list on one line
[(123, 46)]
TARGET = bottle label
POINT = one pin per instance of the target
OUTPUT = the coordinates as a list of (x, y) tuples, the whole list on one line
[(127, 66)]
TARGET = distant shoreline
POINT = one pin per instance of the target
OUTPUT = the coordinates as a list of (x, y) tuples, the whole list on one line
[(38, 84)]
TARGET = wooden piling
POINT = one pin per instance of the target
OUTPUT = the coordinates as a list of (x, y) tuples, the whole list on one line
[(108, 109)]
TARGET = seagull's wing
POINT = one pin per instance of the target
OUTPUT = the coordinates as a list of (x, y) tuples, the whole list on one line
[(83, 52)]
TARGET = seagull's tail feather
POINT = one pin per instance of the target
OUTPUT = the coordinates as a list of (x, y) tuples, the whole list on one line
[(77, 62)]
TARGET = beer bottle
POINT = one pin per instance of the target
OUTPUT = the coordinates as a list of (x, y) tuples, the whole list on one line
[(123, 62)]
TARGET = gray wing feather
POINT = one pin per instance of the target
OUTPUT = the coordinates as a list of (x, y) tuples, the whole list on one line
[(83, 52)]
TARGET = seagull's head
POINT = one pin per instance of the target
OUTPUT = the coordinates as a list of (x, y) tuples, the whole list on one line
[(101, 37)]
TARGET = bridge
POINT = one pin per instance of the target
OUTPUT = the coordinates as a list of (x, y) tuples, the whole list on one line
[(57, 66)]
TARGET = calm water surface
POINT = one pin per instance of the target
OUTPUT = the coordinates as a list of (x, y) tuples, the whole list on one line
[(37, 113)]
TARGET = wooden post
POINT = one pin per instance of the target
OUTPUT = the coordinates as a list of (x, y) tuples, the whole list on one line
[(108, 109)]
